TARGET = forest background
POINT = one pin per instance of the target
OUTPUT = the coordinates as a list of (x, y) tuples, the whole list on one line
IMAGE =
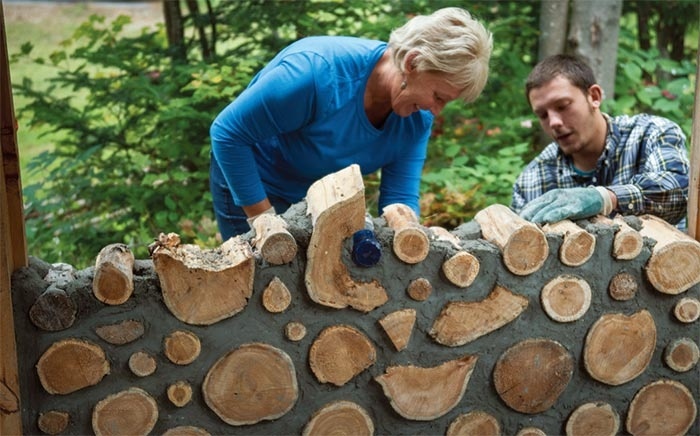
[(114, 109)]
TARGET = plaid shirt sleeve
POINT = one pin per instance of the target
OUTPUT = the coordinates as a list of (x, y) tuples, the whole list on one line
[(538, 177)]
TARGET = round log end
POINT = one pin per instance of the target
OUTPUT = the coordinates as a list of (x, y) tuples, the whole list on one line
[(526, 250)]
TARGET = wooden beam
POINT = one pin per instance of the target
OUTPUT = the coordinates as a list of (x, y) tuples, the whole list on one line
[(694, 187)]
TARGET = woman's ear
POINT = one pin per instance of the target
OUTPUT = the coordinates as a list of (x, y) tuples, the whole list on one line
[(409, 62)]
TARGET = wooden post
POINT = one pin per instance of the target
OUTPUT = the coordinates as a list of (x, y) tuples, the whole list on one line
[(694, 188)]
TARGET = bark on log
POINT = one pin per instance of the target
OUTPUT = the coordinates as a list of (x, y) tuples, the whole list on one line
[(186, 430), (578, 245), (129, 412), (202, 287), (530, 375), (674, 264), (419, 289), (53, 310), (399, 326), (411, 243), (121, 333), (114, 277), (53, 421), (142, 364), (566, 298), (523, 245), (682, 354), (276, 297), (251, 383), (461, 269), (339, 353), (9, 403), (424, 394), (476, 423), (619, 348), (442, 234), (277, 246), (627, 243), (461, 322), (180, 393), (593, 419), (71, 364), (340, 418), (662, 407), (182, 347), (337, 207), (687, 310), (623, 287), (295, 331)]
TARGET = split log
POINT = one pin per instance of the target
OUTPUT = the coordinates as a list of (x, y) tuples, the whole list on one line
[(182, 347), (593, 419), (204, 286), (523, 245), (276, 297), (180, 393), (530, 431), (442, 234), (687, 310), (295, 331), (461, 322), (623, 287), (398, 326), (277, 246), (627, 243), (461, 269), (114, 277), (425, 394), (53, 421), (663, 407), (121, 333), (251, 383), (419, 289), (674, 264), (340, 418), (142, 364), (339, 353), (53, 310), (530, 375), (578, 245), (132, 411), (186, 430), (411, 243), (566, 298), (337, 207), (619, 348), (71, 364), (682, 354), (9, 403), (474, 423)]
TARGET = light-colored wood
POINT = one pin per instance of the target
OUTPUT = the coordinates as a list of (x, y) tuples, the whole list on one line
[(566, 298), (694, 183), (71, 364), (523, 245), (627, 243), (593, 419), (182, 347), (623, 286), (531, 375), (142, 363), (53, 310), (336, 204), (682, 354), (474, 423), (619, 347), (277, 246), (461, 269), (578, 245), (419, 289), (663, 407), (53, 421), (674, 264), (339, 353), (9, 401), (252, 383), (180, 393), (295, 331), (114, 276), (530, 431), (442, 234), (186, 430), (411, 243), (398, 326), (687, 310), (461, 322), (130, 412), (425, 394), (276, 297), (202, 287), (122, 332), (340, 418)]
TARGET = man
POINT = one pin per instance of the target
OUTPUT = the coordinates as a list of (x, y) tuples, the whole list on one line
[(597, 164)]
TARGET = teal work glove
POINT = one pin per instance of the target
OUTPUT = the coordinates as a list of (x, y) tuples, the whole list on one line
[(560, 204)]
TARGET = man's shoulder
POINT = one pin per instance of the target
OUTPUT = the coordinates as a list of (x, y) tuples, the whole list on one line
[(643, 120)]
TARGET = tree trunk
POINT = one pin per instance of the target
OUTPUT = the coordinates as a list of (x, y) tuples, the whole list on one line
[(175, 30), (553, 25)]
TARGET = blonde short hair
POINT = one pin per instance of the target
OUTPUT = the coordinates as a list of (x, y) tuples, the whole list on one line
[(448, 41)]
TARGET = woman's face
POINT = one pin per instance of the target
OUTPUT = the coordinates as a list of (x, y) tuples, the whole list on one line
[(423, 91)]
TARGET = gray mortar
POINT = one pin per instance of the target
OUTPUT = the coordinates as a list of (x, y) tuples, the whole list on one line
[(255, 324)]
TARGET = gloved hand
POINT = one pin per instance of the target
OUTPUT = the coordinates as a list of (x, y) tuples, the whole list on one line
[(252, 219), (560, 204)]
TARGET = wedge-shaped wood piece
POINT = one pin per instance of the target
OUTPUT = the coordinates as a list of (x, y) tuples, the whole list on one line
[(424, 394), (628, 243), (663, 407), (71, 364), (682, 354), (276, 297), (186, 430), (530, 375), (277, 246), (411, 243), (53, 421), (593, 419), (461, 322), (578, 245), (687, 310), (398, 326), (113, 282), (523, 245), (182, 347), (461, 269), (340, 418), (474, 423), (121, 333), (619, 347), (566, 298), (339, 353), (202, 287), (674, 264), (130, 412), (337, 207), (251, 383)]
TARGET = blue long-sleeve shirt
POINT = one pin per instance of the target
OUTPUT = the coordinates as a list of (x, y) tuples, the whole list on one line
[(302, 117)]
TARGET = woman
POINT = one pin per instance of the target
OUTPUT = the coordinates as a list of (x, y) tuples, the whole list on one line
[(324, 103)]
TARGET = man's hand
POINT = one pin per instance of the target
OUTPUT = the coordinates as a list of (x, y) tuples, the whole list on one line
[(252, 219), (560, 204)]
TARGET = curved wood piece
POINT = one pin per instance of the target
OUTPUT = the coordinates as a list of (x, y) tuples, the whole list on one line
[(578, 245), (114, 276), (202, 287), (687, 310), (53, 310), (180, 393), (523, 245), (398, 326), (530, 375), (589, 419), (277, 246), (295, 331), (530, 431), (337, 207), (461, 269), (251, 383), (339, 353), (419, 289), (142, 364), (461, 322), (182, 347), (71, 364), (340, 418), (623, 287), (276, 297), (186, 430), (424, 394), (121, 333), (619, 348), (682, 354), (411, 243), (628, 243), (474, 423), (663, 407), (566, 298), (53, 421), (132, 411)]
